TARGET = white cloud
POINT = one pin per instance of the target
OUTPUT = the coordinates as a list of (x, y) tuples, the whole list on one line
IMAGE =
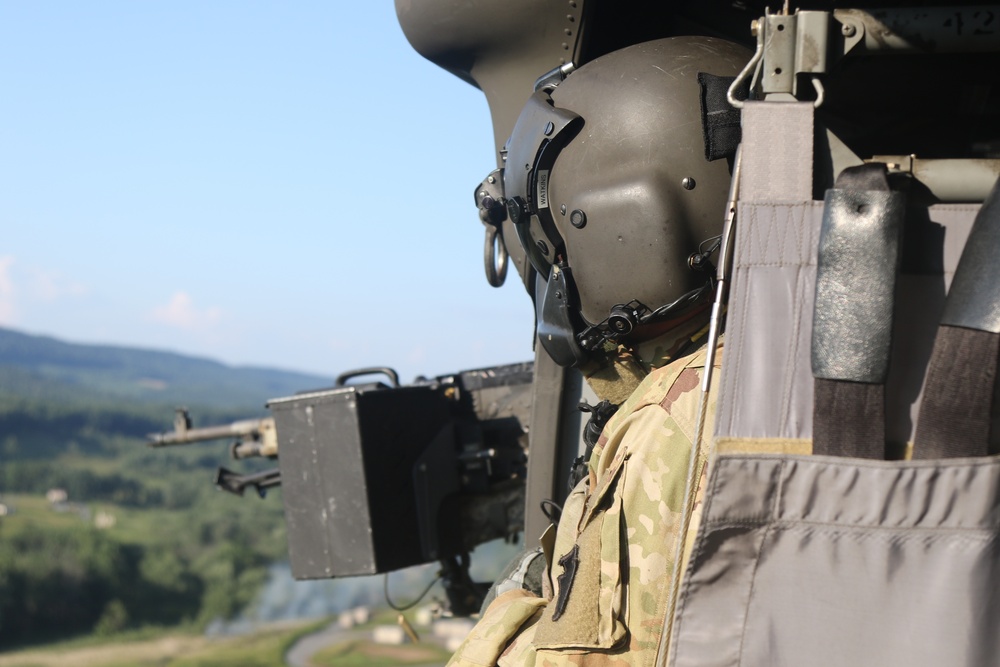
[(7, 307), (181, 313), (22, 287), (52, 285)]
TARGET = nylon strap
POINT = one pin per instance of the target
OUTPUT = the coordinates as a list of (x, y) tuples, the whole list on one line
[(956, 409), (856, 272), (849, 419)]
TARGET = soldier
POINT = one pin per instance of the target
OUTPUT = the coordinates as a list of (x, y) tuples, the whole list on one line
[(623, 249)]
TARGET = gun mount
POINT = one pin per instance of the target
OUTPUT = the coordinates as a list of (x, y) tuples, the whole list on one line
[(227, 480), (391, 476)]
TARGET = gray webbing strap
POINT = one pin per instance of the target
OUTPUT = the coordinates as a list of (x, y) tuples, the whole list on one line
[(955, 413), (858, 261), (778, 151), (773, 265)]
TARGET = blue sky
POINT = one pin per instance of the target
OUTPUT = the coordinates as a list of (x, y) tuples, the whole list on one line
[(263, 183)]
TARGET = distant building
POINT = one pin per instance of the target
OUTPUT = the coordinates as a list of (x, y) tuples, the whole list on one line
[(56, 496), (453, 627), (105, 520), (389, 634), (425, 615), (361, 615), (4, 510), (452, 631)]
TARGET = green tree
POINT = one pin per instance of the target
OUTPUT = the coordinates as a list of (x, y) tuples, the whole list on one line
[(113, 619)]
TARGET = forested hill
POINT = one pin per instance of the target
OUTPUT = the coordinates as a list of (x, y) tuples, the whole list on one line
[(145, 538), (39, 368)]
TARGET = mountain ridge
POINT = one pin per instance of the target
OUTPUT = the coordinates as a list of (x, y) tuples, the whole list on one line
[(44, 367)]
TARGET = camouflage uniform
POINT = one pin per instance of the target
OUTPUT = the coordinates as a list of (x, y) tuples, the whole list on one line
[(615, 544)]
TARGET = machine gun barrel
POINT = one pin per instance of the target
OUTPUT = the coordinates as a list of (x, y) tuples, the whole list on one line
[(238, 429), (251, 437)]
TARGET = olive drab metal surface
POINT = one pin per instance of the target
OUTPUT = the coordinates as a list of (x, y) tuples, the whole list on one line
[(501, 48), (644, 214)]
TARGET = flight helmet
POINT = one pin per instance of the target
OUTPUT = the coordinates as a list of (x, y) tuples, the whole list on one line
[(608, 186)]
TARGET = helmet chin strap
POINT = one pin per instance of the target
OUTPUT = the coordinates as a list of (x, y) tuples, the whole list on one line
[(626, 321), (615, 371), (653, 338)]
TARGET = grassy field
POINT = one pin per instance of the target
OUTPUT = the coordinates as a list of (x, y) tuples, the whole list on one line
[(363, 653), (178, 648), (265, 648), (131, 525), (366, 653)]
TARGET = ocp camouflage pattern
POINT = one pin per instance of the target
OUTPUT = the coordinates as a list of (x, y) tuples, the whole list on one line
[(626, 519)]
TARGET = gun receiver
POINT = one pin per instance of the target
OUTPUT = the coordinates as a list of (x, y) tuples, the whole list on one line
[(251, 437)]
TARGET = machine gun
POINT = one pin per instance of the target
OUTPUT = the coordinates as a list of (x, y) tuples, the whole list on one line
[(377, 476), (250, 438)]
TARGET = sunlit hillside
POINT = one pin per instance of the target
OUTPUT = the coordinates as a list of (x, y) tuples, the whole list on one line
[(112, 552)]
